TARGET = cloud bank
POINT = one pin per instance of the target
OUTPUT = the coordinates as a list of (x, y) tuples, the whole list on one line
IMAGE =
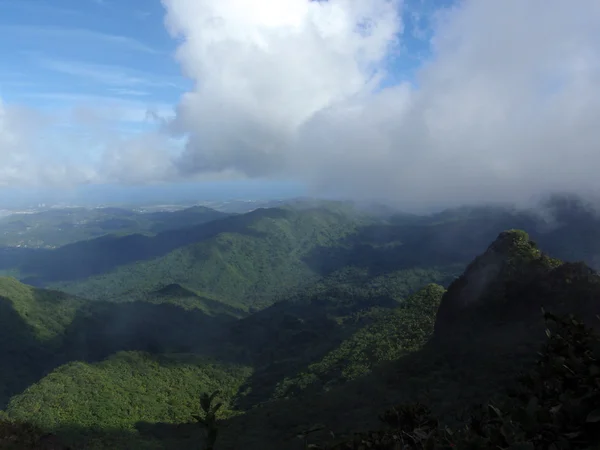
[(505, 108), (25, 160)]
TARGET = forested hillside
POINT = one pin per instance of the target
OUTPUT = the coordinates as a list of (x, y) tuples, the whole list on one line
[(245, 261), (299, 316)]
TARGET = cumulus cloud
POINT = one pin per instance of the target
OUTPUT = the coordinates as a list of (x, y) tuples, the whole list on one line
[(138, 159), (505, 107), (264, 68), (80, 145)]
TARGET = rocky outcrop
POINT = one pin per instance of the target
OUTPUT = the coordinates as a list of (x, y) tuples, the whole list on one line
[(501, 293)]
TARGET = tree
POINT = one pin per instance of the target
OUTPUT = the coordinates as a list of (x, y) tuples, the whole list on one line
[(209, 421)]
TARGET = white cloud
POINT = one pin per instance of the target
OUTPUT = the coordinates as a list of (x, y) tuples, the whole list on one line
[(263, 69), (26, 157), (89, 140), (505, 108), (137, 160)]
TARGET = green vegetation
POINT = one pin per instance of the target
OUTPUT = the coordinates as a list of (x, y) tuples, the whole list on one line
[(209, 421), (47, 313), (33, 323), (555, 405), (126, 389), (42, 329), (309, 320), (388, 335), (262, 257)]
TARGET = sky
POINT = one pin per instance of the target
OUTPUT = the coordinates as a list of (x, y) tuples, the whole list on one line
[(421, 102)]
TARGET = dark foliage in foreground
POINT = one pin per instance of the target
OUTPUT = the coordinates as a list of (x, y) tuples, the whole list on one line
[(555, 406)]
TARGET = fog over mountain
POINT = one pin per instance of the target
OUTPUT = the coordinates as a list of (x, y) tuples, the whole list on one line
[(501, 110)]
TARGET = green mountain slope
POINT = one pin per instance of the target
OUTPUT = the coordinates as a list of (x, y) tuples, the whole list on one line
[(46, 312), (503, 290), (115, 394), (386, 335), (244, 260), (349, 341), (32, 325), (124, 390), (462, 365), (42, 329)]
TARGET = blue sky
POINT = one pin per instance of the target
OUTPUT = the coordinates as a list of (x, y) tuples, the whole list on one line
[(60, 52), (94, 57), (479, 101)]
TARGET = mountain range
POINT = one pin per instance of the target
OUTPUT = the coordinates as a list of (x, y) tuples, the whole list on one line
[(305, 317)]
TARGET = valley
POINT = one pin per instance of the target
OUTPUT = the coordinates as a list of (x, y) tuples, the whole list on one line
[(309, 313)]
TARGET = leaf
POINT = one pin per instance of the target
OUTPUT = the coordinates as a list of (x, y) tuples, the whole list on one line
[(205, 402), (213, 395), (495, 410), (593, 417)]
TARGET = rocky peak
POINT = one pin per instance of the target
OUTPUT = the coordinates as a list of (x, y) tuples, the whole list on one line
[(510, 256), (506, 284)]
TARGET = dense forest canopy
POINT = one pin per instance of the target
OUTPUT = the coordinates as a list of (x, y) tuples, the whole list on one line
[(311, 319)]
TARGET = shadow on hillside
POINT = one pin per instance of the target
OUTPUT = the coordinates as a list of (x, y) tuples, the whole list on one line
[(96, 256), (14, 257), (24, 358), (448, 379), (165, 436), (283, 340), (278, 344), (382, 249), (100, 329), (178, 293), (103, 328), (463, 365)]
